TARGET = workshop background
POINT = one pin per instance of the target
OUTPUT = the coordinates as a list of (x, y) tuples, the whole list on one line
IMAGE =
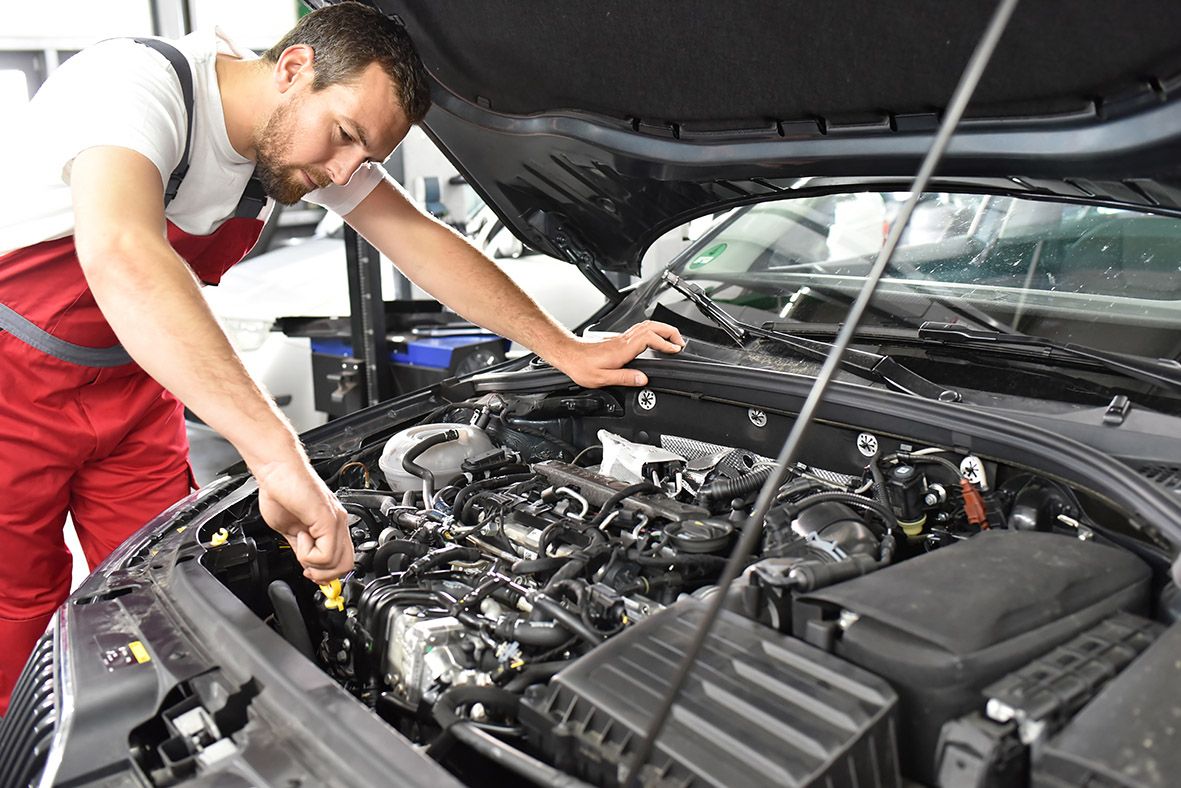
[(298, 268)]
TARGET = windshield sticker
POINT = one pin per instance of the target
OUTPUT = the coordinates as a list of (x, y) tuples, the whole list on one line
[(707, 257)]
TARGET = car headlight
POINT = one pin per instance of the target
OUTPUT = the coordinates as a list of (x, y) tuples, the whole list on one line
[(247, 333)]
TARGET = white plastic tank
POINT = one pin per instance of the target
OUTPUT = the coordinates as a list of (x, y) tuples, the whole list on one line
[(443, 460)]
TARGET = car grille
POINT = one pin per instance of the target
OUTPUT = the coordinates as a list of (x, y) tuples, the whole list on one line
[(26, 731)]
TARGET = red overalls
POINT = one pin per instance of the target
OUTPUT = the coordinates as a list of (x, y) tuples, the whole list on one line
[(107, 445)]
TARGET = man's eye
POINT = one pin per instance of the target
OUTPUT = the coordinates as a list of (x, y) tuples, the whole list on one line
[(344, 134)]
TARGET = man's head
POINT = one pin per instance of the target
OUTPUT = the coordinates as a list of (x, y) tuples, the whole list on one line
[(349, 85)]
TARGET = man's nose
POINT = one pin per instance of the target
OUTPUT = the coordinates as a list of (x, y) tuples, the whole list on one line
[(344, 165)]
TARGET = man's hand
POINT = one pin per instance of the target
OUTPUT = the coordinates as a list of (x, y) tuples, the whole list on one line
[(297, 504), (598, 363)]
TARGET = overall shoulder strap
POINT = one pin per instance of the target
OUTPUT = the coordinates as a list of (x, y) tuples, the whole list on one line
[(180, 64)]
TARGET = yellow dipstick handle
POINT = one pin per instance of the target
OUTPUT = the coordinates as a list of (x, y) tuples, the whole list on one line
[(332, 595), (219, 538)]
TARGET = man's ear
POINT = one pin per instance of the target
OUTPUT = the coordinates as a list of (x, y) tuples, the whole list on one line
[(295, 65)]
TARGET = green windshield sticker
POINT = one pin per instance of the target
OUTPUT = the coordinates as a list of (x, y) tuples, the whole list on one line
[(708, 256)]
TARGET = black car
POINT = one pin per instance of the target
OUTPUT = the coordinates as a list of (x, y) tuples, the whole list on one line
[(967, 577)]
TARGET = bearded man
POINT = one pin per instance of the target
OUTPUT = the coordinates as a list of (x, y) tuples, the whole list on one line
[(149, 169)]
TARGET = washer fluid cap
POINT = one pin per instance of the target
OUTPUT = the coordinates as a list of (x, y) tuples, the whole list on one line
[(443, 461)]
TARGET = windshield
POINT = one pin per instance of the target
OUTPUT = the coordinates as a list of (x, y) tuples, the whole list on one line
[(1099, 276)]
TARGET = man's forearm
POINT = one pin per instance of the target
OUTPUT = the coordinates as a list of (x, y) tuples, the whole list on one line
[(446, 265), (154, 304)]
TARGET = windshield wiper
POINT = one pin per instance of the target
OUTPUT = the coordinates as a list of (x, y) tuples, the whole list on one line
[(872, 366), (1159, 372)]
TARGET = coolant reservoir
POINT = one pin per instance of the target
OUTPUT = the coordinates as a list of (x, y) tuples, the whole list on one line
[(442, 460)]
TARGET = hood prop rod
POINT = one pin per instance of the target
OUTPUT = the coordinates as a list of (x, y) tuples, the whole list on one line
[(787, 455)]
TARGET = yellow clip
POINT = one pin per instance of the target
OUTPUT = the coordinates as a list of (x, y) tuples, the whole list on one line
[(332, 595), (220, 538), (139, 652)]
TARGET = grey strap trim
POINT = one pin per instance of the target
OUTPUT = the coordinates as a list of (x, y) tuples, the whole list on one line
[(36, 337)]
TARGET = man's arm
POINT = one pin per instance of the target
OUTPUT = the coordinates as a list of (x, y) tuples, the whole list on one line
[(153, 302), (443, 263)]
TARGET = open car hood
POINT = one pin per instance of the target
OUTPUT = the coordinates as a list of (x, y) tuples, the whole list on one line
[(593, 128)]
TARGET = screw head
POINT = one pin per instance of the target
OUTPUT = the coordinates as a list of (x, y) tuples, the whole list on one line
[(646, 399), (757, 417)]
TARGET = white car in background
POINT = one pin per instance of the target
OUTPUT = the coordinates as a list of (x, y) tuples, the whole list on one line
[(308, 278)]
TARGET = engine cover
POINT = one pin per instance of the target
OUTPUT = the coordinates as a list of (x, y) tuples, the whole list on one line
[(759, 708)]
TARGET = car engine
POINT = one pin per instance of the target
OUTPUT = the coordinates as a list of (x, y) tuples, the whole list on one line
[(529, 567)]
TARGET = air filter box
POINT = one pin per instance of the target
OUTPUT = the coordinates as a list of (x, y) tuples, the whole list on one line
[(942, 626), (759, 708), (1130, 735)]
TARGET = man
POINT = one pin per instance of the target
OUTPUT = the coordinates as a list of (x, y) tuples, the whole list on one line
[(92, 258)]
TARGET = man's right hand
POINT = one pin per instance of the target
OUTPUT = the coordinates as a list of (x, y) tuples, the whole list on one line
[(296, 503)]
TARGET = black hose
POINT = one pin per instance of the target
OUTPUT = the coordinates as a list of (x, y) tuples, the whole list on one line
[(610, 504), (791, 511), (381, 558), (414, 452), (488, 484), (564, 617), (446, 708), (511, 758), (704, 560), (735, 488), (366, 517), (444, 556), (534, 673), (538, 566), (536, 633), (291, 624), (880, 494)]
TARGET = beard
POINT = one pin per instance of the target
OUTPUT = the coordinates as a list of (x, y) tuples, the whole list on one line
[(273, 142)]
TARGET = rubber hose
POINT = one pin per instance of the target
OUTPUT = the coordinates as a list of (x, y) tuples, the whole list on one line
[(445, 708), (735, 488), (879, 484), (528, 767), (538, 565), (534, 674), (394, 547), (446, 555), (533, 633), (566, 618), (680, 559), (610, 504), (366, 517), (488, 484), (414, 452), (884, 514), (291, 624)]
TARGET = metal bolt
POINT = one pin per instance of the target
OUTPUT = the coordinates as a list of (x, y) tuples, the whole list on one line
[(757, 417), (646, 399)]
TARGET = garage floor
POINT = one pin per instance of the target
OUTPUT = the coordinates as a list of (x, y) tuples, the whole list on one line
[(208, 452)]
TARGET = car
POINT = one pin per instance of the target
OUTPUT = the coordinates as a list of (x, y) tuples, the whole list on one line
[(306, 278), (965, 574)]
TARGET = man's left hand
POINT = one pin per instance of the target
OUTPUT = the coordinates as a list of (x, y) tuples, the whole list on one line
[(595, 363)]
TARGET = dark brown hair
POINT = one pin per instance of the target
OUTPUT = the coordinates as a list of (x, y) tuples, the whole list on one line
[(346, 38)]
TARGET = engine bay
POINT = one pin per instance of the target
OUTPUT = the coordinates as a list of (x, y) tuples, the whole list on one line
[(528, 568)]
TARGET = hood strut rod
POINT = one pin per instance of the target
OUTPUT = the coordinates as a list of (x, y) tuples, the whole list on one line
[(787, 455)]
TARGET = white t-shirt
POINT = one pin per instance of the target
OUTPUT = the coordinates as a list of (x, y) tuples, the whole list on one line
[(123, 93)]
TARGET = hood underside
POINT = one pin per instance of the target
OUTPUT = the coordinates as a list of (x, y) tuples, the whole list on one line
[(592, 128)]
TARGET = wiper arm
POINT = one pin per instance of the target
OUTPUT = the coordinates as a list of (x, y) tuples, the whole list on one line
[(734, 329), (873, 366), (1159, 372)]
